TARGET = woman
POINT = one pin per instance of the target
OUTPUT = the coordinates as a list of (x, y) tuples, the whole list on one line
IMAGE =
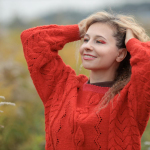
[(110, 110)]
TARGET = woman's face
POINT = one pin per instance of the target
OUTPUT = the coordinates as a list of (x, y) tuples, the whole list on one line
[(99, 50)]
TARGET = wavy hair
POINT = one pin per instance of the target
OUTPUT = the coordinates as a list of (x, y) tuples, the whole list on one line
[(119, 23)]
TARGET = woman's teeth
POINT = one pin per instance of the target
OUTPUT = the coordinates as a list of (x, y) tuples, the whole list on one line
[(87, 56)]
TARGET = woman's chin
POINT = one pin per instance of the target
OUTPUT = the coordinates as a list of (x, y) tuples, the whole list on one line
[(87, 67)]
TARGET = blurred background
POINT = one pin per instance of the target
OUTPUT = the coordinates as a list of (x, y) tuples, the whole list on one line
[(24, 123)]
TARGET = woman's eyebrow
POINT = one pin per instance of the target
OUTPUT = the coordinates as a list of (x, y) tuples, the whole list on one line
[(86, 35), (95, 36), (100, 36)]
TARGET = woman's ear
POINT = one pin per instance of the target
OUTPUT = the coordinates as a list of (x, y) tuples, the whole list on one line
[(121, 54)]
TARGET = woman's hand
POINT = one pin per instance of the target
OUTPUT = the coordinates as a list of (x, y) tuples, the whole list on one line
[(81, 25), (129, 35)]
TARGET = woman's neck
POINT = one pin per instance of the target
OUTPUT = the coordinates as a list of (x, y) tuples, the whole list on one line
[(101, 76)]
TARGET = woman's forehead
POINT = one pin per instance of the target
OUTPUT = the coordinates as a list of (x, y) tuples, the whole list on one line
[(101, 29)]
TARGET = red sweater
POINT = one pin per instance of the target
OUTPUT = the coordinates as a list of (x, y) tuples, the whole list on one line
[(71, 122)]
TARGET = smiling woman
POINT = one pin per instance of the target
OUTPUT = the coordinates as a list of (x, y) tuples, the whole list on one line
[(111, 108), (107, 56)]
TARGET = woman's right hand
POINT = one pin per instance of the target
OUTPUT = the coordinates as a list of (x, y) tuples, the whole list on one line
[(81, 25)]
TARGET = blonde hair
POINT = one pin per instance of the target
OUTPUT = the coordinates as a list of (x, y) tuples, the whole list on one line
[(119, 23)]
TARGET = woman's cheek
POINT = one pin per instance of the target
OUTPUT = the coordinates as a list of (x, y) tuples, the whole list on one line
[(81, 50)]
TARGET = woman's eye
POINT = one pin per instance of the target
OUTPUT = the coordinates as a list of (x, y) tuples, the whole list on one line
[(101, 41), (86, 40)]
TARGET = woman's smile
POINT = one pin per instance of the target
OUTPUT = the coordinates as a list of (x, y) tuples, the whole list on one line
[(88, 57)]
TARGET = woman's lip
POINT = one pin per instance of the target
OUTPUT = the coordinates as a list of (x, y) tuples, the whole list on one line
[(88, 58), (89, 55)]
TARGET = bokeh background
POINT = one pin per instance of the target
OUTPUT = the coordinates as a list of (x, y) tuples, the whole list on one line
[(24, 123)]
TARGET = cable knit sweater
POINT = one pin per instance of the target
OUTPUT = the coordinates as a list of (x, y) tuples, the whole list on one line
[(71, 122)]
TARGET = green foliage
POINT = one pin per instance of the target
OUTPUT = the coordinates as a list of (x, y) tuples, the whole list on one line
[(23, 124)]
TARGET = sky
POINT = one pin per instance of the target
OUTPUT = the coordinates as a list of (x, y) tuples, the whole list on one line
[(31, 9)]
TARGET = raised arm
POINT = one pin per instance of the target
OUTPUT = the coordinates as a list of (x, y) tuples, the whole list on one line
[(41, 45), (139, 90)]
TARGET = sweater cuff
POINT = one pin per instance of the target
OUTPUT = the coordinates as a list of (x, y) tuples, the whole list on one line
[(71, 32), (130, 44)]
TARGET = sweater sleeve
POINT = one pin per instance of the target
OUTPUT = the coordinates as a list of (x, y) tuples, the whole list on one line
[(41, 45), (139, 90)]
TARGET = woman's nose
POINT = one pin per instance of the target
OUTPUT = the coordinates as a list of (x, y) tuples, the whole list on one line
[(88, 46)]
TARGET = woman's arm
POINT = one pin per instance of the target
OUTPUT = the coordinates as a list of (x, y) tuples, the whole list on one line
[(139, 91), (41, 45)]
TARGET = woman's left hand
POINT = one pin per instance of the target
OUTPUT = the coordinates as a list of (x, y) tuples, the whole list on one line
[(129, 35)]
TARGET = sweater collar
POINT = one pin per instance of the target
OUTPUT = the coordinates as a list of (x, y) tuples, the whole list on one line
[(95, 88), (102, 84)]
